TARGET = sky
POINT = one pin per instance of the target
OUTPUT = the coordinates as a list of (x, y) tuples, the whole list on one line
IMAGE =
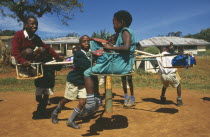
[(150, 18)]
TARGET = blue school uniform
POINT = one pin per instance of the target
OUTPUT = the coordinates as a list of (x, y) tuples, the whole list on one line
[(120, 63)]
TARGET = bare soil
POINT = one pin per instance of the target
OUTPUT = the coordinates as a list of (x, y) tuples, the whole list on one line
[(148, 118)]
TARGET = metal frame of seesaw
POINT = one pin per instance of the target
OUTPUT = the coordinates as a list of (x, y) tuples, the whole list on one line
[(149, 55), (39, 72)]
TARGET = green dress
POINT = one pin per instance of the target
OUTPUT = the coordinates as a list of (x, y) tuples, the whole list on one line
[(119, 63)]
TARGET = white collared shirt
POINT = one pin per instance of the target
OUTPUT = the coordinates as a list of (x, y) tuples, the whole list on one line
[(85, 53), (165, 61), (27, 36)]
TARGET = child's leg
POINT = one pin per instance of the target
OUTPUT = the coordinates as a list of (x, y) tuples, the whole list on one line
[(96, 89), (130, 82), (179, 97), (92, 104), (179, 91), (163, 92), (162, 96), (43, 104), (132, 98), (76, 111), (38, 98), (27, 54), (58, 109), (39, 54), (123, 78)]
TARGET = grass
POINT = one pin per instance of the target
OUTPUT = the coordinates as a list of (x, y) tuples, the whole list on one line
[(196, 78)]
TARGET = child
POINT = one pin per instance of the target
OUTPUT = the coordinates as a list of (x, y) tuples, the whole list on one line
[(44, 86), (28, 47), (129, 101), (168, 76), (75, 83), (122, 63)]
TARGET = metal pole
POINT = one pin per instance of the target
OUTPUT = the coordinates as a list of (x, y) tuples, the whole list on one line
[(108, 95)]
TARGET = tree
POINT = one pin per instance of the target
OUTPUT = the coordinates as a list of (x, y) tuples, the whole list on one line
[(21, 8), (152, 50), (203, 34), (102, 35), (73, 34), (176, 34), (7, 32)]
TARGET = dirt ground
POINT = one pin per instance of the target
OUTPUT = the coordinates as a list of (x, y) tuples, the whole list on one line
[(149, 118)]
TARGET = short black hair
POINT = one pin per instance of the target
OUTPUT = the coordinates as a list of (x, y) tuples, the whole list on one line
[(28, 17), (82, 37), (125, 16)]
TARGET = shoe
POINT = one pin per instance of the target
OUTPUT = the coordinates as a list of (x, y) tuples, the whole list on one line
[(54, 119), (73, 125), (126, 101), (179, 102), (131, 102), (162, 100)]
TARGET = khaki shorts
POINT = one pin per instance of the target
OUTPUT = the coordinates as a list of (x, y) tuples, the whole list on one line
[(73, 92), (46, 91), (170, 79)]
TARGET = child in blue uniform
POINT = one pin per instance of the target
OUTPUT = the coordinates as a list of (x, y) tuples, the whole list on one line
[(129, 101), (122, 63)]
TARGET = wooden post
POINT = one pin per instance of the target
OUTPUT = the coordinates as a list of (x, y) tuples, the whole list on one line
[(108, 94)]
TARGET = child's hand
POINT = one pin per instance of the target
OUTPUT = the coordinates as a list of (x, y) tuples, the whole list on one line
[(107, 46)]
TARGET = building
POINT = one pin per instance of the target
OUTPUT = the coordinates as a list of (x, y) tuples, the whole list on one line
[(63, 45), (196, 46)]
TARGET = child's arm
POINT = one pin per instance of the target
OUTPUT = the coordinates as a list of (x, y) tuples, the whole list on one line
[(126, 43), (16, 47)]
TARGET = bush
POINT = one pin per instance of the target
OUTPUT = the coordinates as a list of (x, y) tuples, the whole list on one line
[(152, 50)]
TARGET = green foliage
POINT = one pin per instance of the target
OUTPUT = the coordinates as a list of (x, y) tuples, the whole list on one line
[(64, 9), (152, 49), (103, 34), (196, 78), (12, 84), (7, 32), (203, 34), (73, 34), (176, 34)]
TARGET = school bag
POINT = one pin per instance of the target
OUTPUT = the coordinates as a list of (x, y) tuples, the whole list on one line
[(182, 60)]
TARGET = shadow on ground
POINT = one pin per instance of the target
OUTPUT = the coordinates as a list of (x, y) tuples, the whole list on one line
[(157, 101), (55, 100), (206, 99), (103, 123), (47, 114)]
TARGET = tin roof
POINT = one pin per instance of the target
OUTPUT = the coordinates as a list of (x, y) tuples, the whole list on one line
[(177, 41), (62, 40)]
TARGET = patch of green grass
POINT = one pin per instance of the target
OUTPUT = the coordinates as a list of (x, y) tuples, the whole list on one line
[(195, 78), (12, 84)]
